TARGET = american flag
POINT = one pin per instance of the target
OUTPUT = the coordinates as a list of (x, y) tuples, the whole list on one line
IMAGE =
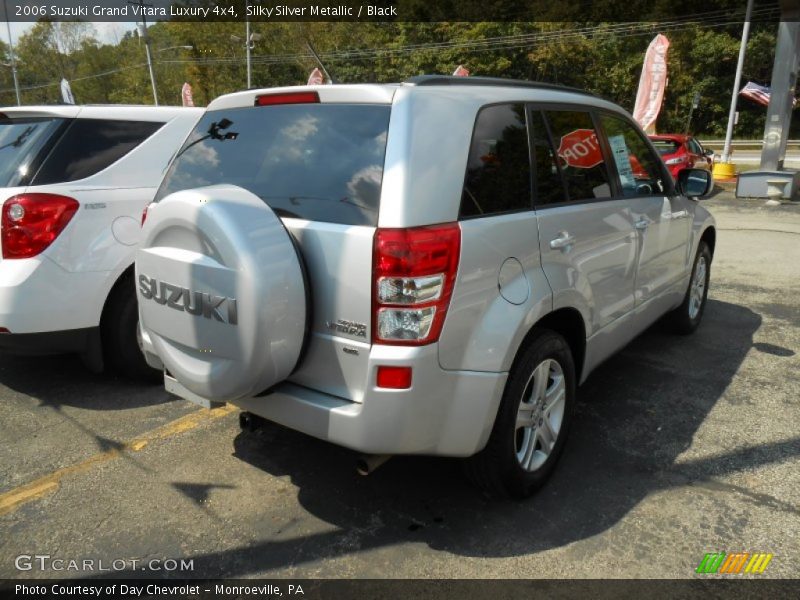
[(759, 94)]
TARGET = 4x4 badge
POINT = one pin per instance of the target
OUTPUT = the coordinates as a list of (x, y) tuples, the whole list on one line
[(186, 300)]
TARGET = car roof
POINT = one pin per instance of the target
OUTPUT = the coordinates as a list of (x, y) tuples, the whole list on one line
[(439, 80), (674, 137), (99, 111), (483, 87)]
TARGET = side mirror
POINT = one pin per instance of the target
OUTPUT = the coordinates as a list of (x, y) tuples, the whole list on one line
[(694, 183), (708, 152)]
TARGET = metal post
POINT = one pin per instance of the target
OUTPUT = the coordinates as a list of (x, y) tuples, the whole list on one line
[(695, 104), (247, 44), (150, 60), (147, 48), (726, 153), (11, 55), (784, 80)]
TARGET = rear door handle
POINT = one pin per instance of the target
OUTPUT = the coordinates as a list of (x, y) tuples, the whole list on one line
[(681, 214), (564, 240)]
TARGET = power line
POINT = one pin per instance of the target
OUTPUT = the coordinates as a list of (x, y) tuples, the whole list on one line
[(500, 42), (85, 77), (716, 19)]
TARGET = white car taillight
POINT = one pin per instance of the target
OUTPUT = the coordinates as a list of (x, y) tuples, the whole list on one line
[(31, 222), (414, 271)]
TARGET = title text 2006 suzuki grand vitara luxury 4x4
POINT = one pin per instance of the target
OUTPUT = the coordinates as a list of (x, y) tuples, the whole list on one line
[(423, 268)]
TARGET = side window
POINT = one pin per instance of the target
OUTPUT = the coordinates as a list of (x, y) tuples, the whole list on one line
[(695, 146), (91, 145), (498, 176), (579, 155), (637, 167), (548, 186)]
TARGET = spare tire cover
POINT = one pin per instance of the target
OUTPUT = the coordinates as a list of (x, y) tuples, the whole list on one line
[(221, 291)]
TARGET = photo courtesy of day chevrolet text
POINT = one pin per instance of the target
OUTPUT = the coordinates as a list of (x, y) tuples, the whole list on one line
[(150, 590)]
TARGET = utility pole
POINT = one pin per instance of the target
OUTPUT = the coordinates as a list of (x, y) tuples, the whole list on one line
[(695, 104), (147, 48), (248, 43), (726, 153), (11, 55)]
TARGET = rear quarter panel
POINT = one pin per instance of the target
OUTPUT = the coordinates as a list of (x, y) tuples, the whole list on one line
[(483, 330)]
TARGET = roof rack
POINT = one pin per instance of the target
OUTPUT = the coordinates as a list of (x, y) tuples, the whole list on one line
[(425, 80)]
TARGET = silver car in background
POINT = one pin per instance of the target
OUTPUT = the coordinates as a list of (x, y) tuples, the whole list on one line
[(430, 267)]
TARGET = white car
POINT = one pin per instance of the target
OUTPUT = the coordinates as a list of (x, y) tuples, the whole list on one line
[(75, 181)]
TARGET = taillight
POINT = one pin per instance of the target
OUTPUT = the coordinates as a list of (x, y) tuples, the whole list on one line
[(287, 98), (414, 271), (144, 214), (31, 222)]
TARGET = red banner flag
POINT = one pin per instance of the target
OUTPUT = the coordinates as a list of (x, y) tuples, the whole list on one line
[(316, 77), (186, 95), (652, 84)]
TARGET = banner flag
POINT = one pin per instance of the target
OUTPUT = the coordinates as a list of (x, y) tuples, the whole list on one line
[(652, 84), (186, 95), (66, 92), (316, 77)]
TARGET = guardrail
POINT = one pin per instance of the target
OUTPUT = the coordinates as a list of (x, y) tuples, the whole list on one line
[(743, 143)]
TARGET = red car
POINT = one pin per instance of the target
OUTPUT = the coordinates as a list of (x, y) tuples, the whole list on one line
[(682, 152)]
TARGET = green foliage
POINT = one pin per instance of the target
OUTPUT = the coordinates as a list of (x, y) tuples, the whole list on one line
[(605, 58)]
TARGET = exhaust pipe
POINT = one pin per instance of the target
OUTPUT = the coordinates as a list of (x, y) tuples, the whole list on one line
[(367, 463)]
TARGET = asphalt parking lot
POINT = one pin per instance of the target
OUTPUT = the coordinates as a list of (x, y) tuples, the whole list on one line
[(680, 447)]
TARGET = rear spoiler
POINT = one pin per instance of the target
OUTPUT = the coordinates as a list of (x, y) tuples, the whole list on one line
[(10, 114)]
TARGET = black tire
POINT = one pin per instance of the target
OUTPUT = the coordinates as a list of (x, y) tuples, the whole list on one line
[(119, 332), (684, 320), (497, 469)]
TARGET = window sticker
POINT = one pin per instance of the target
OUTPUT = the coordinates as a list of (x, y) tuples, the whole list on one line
[(622, 158)]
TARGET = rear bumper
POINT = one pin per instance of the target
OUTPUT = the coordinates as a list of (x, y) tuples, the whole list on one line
[(446, 413), (38, 296)]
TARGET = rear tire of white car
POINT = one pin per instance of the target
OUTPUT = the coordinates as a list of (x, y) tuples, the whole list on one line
[(532, 422), (686, 318), (118, 328)]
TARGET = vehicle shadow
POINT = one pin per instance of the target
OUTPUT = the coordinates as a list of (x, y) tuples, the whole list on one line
[(636, 415), (63, 380)]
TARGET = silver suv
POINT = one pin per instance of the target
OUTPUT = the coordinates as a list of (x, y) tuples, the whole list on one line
[(423, 268)]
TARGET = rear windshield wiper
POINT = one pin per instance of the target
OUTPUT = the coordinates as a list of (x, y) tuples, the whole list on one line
[(20, 138)]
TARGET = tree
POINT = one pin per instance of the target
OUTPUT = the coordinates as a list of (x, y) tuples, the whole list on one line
[(605, 58)]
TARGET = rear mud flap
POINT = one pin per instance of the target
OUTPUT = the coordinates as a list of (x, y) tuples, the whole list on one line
[(173, 387)]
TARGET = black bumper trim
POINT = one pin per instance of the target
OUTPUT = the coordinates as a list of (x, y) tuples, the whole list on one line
[(50, 342)]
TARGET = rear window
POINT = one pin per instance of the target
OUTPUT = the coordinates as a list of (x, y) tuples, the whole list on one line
[(666, 146), (321, 162), (21, 144), (91, 145)]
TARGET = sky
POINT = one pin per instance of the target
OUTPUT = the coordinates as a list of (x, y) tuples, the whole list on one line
[(108, 33)]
